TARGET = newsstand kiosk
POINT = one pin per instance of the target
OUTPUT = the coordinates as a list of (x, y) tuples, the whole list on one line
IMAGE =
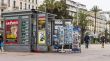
[(28, 30)]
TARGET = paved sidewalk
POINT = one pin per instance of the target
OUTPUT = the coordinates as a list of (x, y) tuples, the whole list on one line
[(94, 53)]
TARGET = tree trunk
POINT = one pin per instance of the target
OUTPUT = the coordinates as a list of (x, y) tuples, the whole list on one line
[(82, 36), (95, 28), (95, 24)]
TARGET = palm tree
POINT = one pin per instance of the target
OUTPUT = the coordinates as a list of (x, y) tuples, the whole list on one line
[(55, 7), (82, 23), (95, 9), (48, 6)]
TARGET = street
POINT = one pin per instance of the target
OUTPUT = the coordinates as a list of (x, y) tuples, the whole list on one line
[(94, 53)]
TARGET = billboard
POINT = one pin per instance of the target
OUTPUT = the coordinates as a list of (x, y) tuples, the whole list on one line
[(11, 31)]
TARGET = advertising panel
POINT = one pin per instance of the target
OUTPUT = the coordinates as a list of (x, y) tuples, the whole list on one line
[(41, 29), (41, 37), (11, 31), (61, 35), (76, 39), (25, 31), (49, 34), (68, 34)]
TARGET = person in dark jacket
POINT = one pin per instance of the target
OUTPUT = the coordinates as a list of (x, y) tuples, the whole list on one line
[(1, 43), (103, 41), (86, 39)]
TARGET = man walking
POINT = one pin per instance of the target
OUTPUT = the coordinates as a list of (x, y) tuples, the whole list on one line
[(86, 39), (103, 41)]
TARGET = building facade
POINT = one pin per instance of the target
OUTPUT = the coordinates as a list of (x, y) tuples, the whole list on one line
[(107, 14), (10, 5), (74, 7), (100, 24)]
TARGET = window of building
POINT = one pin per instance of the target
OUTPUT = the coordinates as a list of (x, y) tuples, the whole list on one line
[(2, 24), (25, 6), (2, 10), (36, 1), (20, 5), (2, 2), (29, 0), (29, 6), (8, 3), (32, 1), (32, 7), (14, 4), (36, 7), (25, 0)]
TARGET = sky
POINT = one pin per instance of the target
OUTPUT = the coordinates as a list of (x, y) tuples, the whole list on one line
[(102, 4)]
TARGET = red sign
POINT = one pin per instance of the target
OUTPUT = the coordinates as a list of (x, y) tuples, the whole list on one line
[(11, 22), (11, 31)]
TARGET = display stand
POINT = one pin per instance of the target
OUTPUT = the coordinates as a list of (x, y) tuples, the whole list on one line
[(62, 49), (76, 46)]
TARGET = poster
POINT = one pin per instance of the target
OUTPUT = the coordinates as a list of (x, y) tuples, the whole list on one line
[(49, 34), (11, 31), (41, 37), (24, 31), (41, 29), (41, 21), (68, 34), (76, 39), (61, 35)]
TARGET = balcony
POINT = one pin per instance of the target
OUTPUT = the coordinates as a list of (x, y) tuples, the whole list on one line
[(16, 8), (3, 6)]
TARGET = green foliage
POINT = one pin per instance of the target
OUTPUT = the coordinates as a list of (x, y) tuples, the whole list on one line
[(83, 22), (95, 9), (55, 7)]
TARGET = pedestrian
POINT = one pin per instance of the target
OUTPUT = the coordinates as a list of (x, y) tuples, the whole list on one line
[(103, 41), (86, 39), (1, 43)]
